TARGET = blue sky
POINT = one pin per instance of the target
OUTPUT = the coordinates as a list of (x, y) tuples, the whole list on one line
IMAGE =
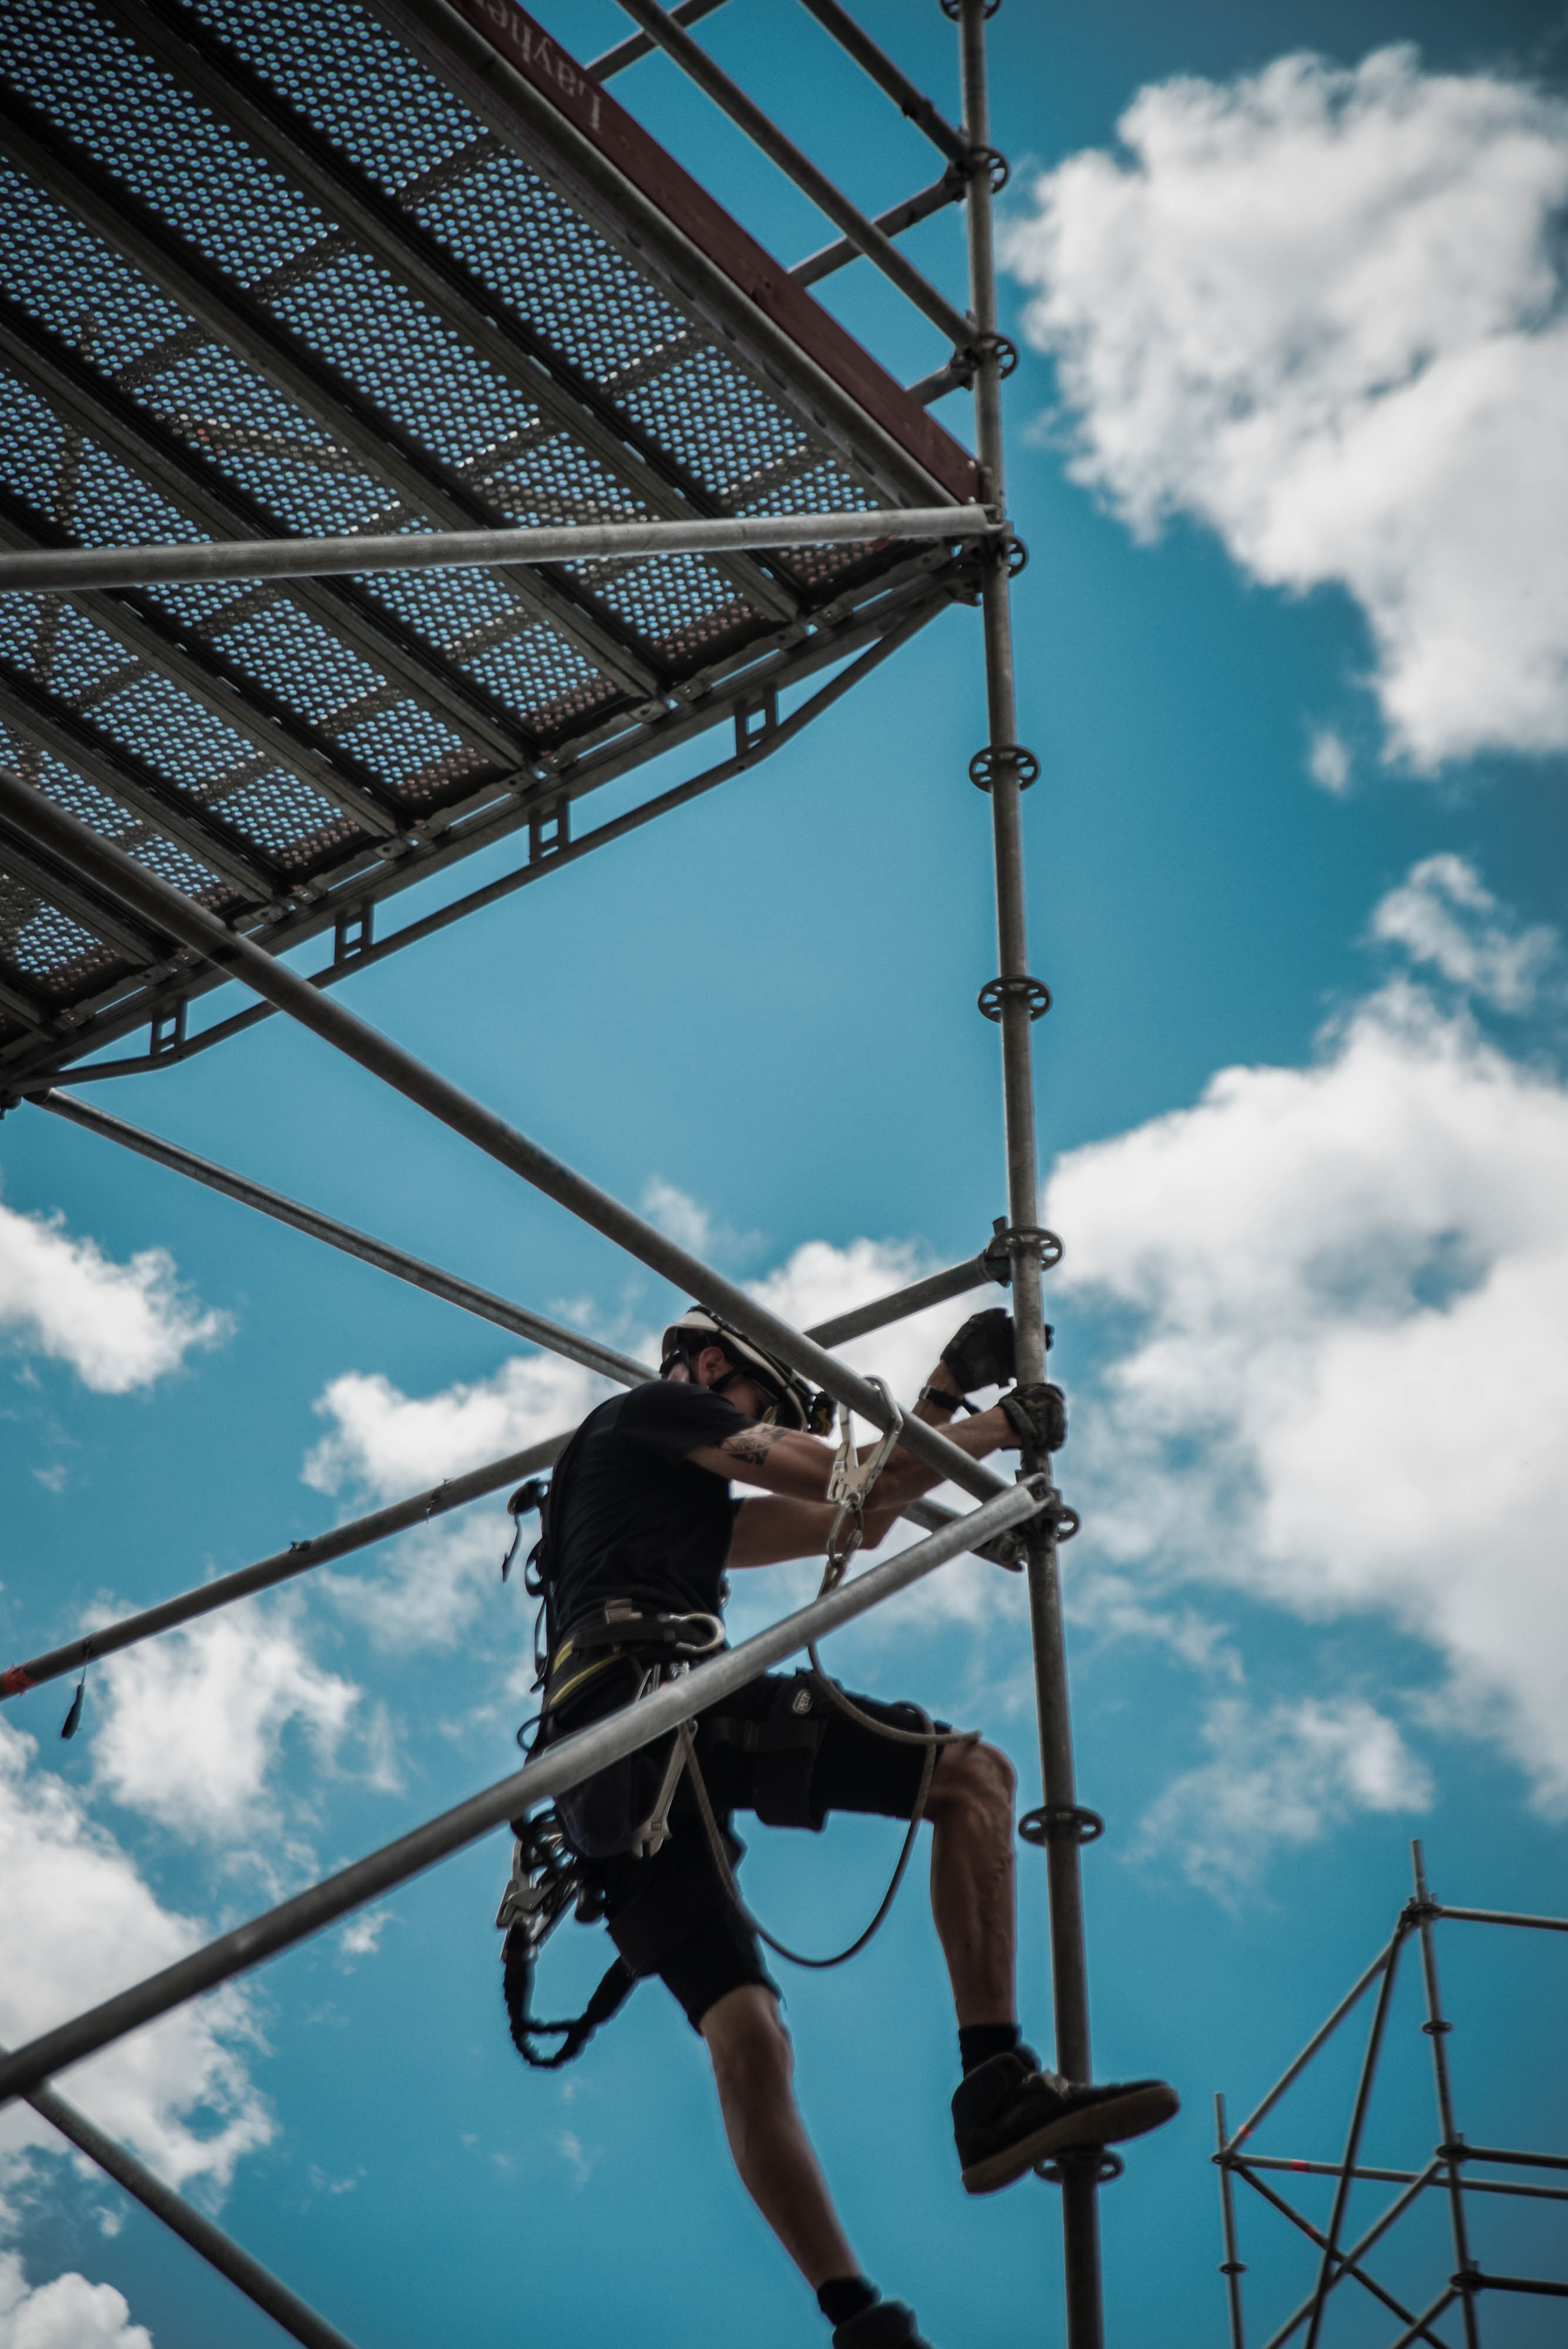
[(1285, 445)]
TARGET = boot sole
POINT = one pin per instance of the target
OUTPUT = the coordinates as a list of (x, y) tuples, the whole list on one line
[(1118, 2118)]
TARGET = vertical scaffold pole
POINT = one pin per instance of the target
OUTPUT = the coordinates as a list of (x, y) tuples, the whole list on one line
[(1018, 1001)]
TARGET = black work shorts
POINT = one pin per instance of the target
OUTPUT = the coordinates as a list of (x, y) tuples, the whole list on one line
[(781, 1750)]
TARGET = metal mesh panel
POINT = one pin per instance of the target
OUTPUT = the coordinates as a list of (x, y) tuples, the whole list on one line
[(419, 371), (340, 70), (34, 444), (361, 407), (46, 949), (91, 806), (531, 668), (225, 411), (458, 609), (85, 669), (44, 638), (554, 481), (127, 113), (519, 238), (286, 817), (673, 603), (206, 759), (411, 747), (285, 651), (104, 505), (56, 270)]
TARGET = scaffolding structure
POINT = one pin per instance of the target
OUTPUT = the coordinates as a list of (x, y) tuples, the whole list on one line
[(402, 446), (1449, 2173)]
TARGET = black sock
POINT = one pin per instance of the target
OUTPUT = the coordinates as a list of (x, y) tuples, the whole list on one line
[(842, 2297), (978, 2042)]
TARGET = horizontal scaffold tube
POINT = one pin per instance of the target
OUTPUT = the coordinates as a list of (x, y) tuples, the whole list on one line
[(64, 570), (560, 1767), (935, 1289), (298, 1558), (257, 2284), (25, 810), (320, 1549)]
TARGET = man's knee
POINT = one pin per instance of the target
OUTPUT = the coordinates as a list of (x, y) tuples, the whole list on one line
[(976, 1778), (747, 2041)]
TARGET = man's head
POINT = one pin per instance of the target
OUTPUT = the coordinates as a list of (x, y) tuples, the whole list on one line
[(707, 1351)]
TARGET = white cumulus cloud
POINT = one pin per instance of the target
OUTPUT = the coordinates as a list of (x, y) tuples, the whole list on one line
[(1321, 311), (68, 2313), (188, 1728), (1442, 914), (1340, 1381), (381, 1444), (1283, 1773), (78, 1923), (118, 1326)]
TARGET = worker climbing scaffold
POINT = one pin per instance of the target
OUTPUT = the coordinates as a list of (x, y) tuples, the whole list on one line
[(640, 1535)]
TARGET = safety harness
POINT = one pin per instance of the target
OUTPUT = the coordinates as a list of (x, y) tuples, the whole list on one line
[(554, 1852)]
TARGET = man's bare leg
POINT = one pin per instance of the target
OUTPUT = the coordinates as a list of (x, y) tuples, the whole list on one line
[(752, 2067), (972, 1903)]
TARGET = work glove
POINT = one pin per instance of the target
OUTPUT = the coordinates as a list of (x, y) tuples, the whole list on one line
[(1038, 1415), (981, 1355)]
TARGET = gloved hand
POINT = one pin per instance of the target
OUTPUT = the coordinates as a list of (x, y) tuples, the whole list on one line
[(981, 1355), (1039, 1415)]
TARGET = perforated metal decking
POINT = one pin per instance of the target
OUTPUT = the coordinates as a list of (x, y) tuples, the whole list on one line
[(270, 271)]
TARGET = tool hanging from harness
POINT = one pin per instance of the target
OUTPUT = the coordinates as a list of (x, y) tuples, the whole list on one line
[(623, 1809)]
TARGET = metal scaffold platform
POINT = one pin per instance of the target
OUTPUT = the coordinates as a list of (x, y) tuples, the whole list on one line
[(370, 274)]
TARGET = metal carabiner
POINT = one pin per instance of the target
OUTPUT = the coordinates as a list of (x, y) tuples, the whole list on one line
[(851, 1481)]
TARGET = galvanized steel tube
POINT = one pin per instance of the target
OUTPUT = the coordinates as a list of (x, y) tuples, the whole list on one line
[(37, 819), (571, 1343), (257, 2284), (1069, 1972), (282, 1566), (61, 571)]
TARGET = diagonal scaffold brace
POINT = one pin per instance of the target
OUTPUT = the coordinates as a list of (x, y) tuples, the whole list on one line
[(192, 2226), (27, 812), (382, 1525)]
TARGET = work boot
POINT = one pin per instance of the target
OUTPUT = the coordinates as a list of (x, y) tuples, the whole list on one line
[(888, 2324), (1007, 2114)]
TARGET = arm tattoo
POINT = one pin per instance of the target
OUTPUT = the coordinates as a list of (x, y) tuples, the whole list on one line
[(753, 1444)]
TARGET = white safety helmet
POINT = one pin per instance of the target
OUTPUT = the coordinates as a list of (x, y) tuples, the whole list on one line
[(792, 1402)]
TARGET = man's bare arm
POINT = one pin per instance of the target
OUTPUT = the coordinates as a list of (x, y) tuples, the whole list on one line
[(796, 1523), (779, 1459)]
